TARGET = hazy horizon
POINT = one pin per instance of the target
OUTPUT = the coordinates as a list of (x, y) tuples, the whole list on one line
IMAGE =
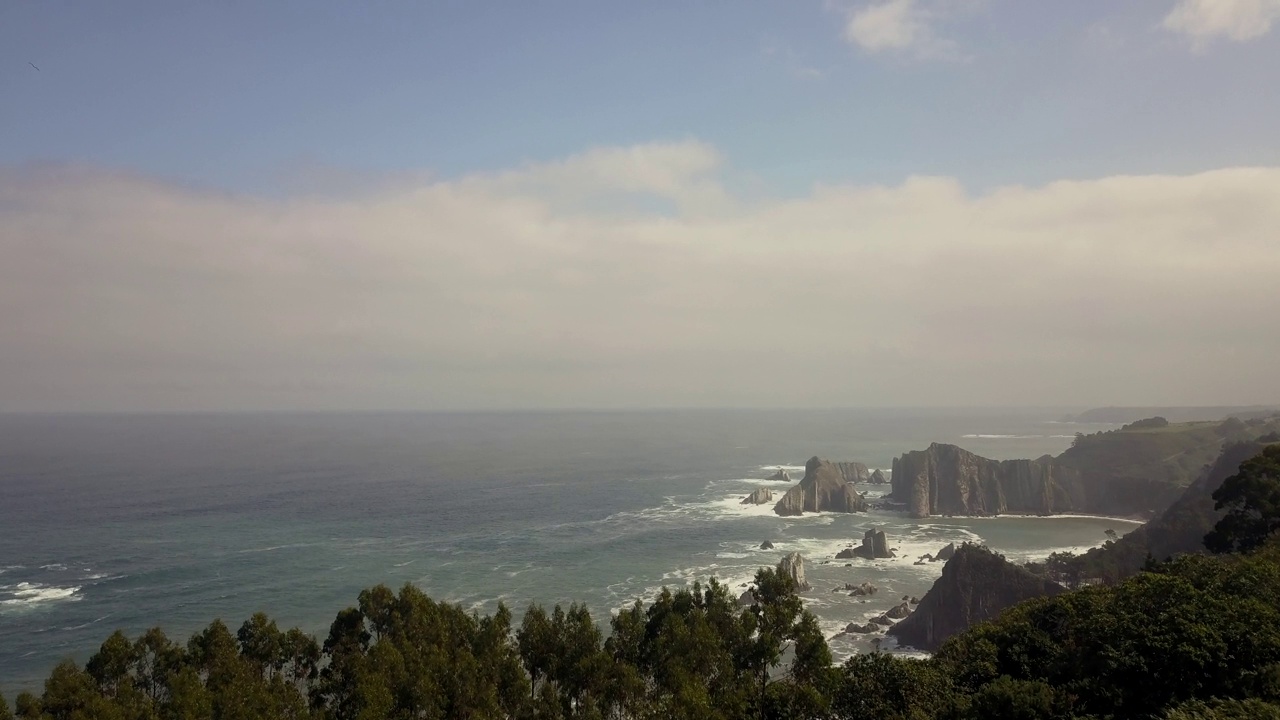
[(827, 204)]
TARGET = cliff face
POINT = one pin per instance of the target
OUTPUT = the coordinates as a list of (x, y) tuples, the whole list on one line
[(976, 585), (823, 487), (1179, 529), (948, 480), (853, 471)]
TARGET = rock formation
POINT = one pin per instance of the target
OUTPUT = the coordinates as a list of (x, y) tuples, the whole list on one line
[(823, 487), (874, 546), (853, 471), (766, 545), (1179, 529), (1139, 470), (864, 589), (948, 480), (861, 629), (976, 584), (781, 476), (945, 553), (878, 478), (897, 612), (758, 496), (792, 566)]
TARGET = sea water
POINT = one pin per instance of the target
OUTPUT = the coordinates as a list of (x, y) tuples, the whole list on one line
[(133, 521)]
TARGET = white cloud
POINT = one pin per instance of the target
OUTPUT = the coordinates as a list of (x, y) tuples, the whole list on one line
[(1239, 20), (631, 276), (902, 26)]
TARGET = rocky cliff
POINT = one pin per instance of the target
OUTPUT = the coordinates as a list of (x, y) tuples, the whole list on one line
[(853, 471), (1122, 473), (824, 487), (976, 585), (1178, 530), (792, 565), (949, 480)]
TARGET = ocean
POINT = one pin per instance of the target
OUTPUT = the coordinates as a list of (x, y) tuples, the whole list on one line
[(133, 521)]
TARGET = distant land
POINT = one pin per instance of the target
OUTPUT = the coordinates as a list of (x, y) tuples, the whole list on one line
[(1175, 414)]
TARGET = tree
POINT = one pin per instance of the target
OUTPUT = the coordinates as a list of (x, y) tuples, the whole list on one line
[(1252, 500)]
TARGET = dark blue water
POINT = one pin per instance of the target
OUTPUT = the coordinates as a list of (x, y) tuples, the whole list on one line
[(138, 520)]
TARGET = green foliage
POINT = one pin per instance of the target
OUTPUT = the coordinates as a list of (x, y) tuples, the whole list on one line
[(1194, 638), (1252, 500)]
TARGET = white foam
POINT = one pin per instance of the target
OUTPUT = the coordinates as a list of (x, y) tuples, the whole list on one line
[(29, 594), (985, 436)]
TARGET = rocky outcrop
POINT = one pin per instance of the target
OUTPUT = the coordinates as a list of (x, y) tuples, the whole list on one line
[(976, 585), (781, 476), (1180, 529), (766, 545), (823, 488), (945, 553), (792, 566), (758, 497), (854, 472), (862, 629), (862, 590), (875, 545), (897, 612), (949, 480), (878, 478)]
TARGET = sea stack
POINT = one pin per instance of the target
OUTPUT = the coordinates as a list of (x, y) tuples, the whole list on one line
[(823, 488)]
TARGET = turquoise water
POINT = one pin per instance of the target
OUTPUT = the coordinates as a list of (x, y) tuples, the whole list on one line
[(138, 520)]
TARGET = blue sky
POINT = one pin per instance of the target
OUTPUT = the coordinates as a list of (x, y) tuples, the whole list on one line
[(466, 205), (243, 96)]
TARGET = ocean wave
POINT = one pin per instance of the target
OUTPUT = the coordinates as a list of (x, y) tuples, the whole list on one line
[(30, 594), (776, 468), (985, 436)]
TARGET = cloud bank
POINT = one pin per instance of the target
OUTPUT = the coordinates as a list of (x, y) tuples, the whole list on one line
[(632, 277), (897, 26), (1238, 20)]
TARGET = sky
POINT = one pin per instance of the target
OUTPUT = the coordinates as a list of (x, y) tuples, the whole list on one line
[(478, 205)]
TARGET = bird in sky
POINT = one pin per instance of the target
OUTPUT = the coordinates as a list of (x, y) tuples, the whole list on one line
[(33, 65)]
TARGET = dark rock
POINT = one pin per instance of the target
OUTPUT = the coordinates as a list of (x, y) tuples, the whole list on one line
[(823, 487), (882, 620), (915, 600), (898, 612), (853, 471), (845, 554), (1120, 472), (747, 598), (976, 585), (874, 546), (780, 476), (945, 553), (758, 497), (861, 629), (766, 545), (878, 478), (865, 588)]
